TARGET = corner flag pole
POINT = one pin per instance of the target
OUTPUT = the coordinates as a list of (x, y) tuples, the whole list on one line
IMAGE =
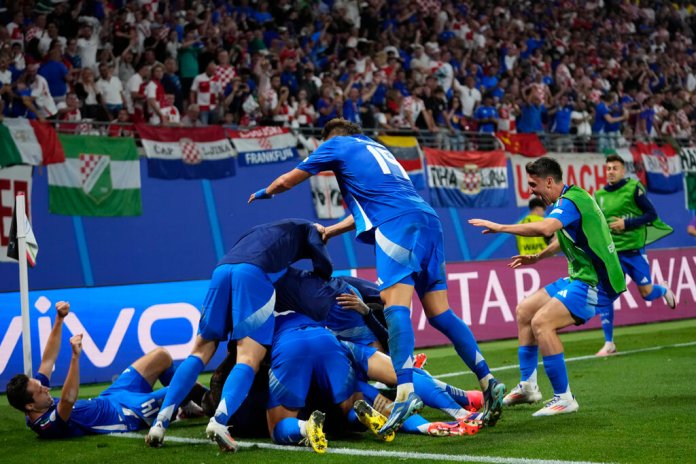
[(23, 281)]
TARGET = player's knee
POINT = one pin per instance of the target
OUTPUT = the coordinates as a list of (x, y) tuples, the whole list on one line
[(524, 314), (539, 325), (162, 356)]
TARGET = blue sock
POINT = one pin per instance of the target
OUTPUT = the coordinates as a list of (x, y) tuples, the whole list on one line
[(181, 384), (369, 392), (457, 394), (401, 342), (234, 392), (529, 358), (558, 375), (165, 377), (658, 291), (606, 314), (415, 424), (433, 395), (464, 342), (287, 432), (354, 424)]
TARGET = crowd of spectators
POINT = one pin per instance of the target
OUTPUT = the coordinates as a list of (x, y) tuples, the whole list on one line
[(613, 69)]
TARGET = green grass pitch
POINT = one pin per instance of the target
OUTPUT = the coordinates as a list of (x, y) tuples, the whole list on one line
[(636, 408)]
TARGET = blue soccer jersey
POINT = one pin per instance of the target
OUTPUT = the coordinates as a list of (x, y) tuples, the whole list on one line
[(374, 185), (126, 406)]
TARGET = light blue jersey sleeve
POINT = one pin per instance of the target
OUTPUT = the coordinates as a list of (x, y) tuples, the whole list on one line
[(565, 211)]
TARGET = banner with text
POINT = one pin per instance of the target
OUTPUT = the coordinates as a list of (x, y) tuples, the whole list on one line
[(485, 293), (264, 145), (586, 170), (120, 324)]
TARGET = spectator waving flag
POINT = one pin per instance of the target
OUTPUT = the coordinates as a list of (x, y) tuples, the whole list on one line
[(264, 145), (100, 177), (662, 167), (187, 152), (408, 153), (467, 178), (522, 144), (24, 141)]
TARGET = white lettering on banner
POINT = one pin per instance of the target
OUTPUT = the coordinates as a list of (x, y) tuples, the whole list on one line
[(101, 358), (463, 278), (587, 172), (9, 341), (522, 291), (500, 301), (162, 312), (685, 282), (269, 156), (451, 177)]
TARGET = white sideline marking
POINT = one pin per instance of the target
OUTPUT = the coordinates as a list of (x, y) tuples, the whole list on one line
[(373, 453), (577, 358)]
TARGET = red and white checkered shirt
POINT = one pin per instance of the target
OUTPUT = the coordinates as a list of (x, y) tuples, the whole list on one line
[(207, 90), (224, 75)]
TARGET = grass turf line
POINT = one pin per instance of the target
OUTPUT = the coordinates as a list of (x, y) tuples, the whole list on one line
[(634, 408)]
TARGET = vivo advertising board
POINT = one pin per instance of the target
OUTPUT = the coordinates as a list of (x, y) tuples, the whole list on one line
[(119, 325), (122, 323)]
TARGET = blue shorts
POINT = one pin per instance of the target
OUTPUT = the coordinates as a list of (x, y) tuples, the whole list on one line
[(130, 391), (410, 250), (359, 357), (580, 299), (302, 356), (240, 300), (636, 265)]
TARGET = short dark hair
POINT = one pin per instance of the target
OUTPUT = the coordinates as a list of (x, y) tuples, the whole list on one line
[(615, 159), (536, 203), (545, 167), (17, 394), (340, 126)]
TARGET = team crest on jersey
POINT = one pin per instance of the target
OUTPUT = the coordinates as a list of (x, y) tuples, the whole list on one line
[(95, 176), (471, 181), (190, 154)]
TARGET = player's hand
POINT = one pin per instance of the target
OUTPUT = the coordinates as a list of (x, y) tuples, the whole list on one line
[(321, 229), (489, 227), (76, 344), (523, 260), (251, 198), (62, 309), (327, 234), (617, 224), (351, 301)]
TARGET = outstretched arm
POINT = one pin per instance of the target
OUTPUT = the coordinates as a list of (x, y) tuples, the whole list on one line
[(339, 228), (525, 260), (531, 229), (71, 387), (50, 354), (281, 184)]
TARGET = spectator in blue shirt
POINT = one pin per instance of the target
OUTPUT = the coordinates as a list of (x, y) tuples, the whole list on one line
[(55, 73), (604, 125), (530, 112), (486, 115), (560, 124)]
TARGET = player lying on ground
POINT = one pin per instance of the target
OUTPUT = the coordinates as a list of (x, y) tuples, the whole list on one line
[(129, 404), (595, 280)]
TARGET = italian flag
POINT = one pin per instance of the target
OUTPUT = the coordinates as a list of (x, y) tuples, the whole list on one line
[(100, 177), (24, 141)]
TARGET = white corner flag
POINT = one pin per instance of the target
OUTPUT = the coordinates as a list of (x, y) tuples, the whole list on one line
[(13, 245)]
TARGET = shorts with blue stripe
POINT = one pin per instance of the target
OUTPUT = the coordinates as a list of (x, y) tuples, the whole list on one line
[(582, 300), (410, 249), (636, 265), (240, 301), (303, 356), (359, 356)]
